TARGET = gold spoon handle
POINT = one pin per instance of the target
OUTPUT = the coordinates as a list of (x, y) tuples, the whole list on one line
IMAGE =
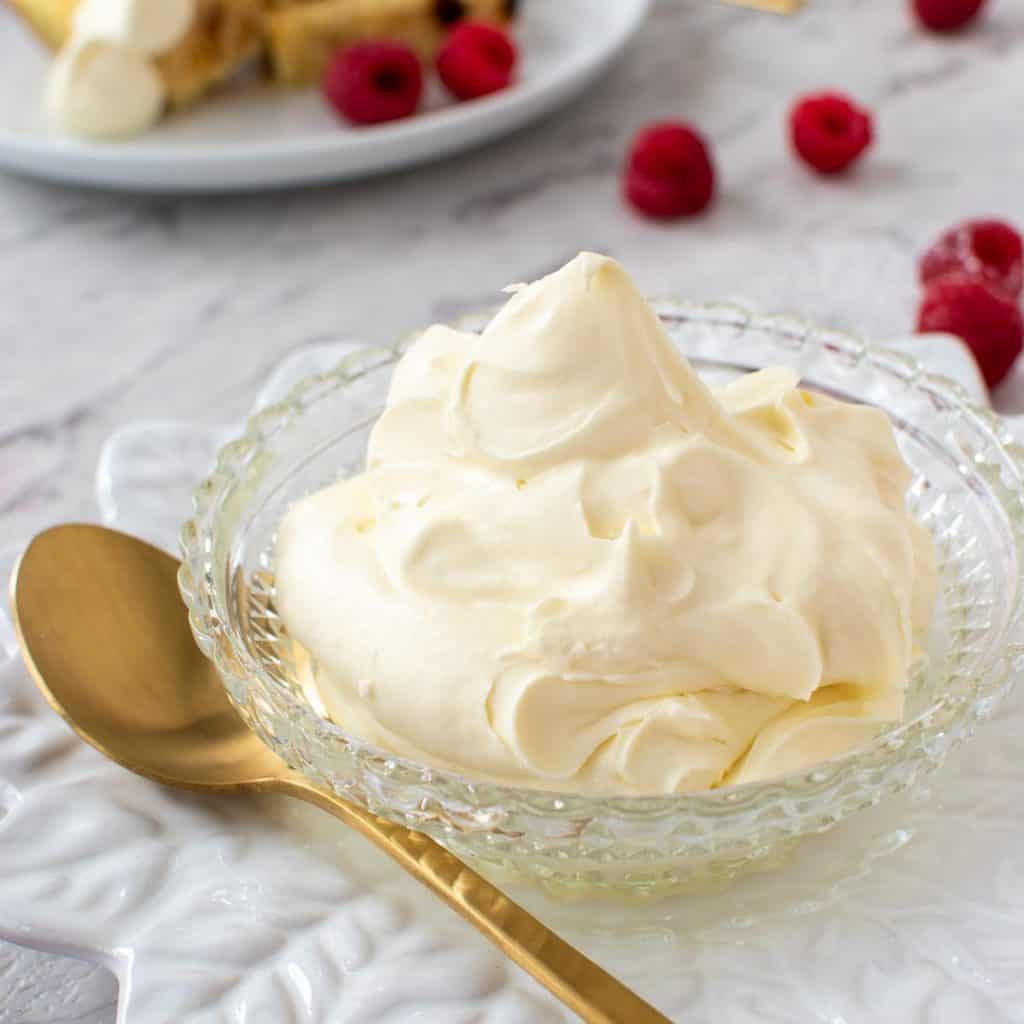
[(583, 986)]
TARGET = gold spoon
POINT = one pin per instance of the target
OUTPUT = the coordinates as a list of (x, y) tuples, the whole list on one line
[(106, 637)]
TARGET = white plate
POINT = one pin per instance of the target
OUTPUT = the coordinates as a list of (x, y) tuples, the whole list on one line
[(254, 136)]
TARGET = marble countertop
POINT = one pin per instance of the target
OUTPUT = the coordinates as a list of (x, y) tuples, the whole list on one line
[(117, 308)]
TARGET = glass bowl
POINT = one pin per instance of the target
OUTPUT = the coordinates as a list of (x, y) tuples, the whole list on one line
[(969, 481)]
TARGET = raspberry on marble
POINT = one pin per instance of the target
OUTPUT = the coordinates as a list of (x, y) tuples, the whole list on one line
[(946, 15), (987, 249), (829, 131), (987, 322), (669, 172)]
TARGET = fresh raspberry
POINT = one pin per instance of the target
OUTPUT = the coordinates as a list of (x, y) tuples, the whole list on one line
[(988, 323), (669, 171), (987, 249), (476, 59), (829, 131), (374, 81), (946, 15)]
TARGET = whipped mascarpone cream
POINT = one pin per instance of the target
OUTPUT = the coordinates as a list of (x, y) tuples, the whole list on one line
[(570, 564), (104, 83)]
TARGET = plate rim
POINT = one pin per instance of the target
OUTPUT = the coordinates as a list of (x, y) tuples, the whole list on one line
[(149, 164)]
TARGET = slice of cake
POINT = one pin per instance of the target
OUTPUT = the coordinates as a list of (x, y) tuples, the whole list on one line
[(225, 36), (303, 35)]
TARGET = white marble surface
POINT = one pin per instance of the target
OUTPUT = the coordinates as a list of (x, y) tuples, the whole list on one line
[(117, 308)]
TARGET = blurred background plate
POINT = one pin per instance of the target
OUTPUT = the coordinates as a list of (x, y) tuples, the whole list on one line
[(254, 136)]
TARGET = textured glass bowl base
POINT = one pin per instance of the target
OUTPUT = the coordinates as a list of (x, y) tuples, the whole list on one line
[(574, 882), (563, 877), (967, 490)]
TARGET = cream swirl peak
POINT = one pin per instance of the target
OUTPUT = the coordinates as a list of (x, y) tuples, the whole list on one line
[(570, 564)]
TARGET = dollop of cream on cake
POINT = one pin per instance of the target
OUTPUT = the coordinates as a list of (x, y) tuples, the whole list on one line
[(103, 83)]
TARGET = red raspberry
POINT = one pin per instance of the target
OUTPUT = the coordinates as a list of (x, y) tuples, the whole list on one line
[(669, 171), (946, 15), (829, 131), (476, 59), (986, 249), (988, 323), (374, 81)]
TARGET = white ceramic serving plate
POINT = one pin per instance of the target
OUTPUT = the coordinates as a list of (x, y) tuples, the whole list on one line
[(255, 136), (215, 910)]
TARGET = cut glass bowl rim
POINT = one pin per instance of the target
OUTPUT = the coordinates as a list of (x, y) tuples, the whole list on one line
[(209, 615)]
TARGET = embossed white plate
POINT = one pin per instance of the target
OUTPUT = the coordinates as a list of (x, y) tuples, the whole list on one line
[(249, 911), (254, 136)]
